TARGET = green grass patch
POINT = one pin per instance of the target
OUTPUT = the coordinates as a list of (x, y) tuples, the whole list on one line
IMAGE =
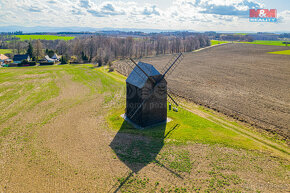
[(259, 42), (5, 131), (214, 42), (176, 160), (44, 37), (241, 34), (192, 128), (5, 51), (44, 92), (284, 52), (263, 42)]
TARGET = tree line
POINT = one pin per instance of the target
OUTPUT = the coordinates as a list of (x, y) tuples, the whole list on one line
[(102, 49)]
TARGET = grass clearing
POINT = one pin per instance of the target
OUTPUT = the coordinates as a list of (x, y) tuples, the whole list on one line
[(284, 52), (215, 42), (44, 37)]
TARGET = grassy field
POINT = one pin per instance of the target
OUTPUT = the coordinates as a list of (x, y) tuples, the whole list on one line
[(61, 130), (270, 43), (44, 37), (5, 51), (284, 52), (214, 42), (261, 42)]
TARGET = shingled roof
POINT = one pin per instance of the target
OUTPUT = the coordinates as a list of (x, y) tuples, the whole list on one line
[(138, 78), (20, 57)]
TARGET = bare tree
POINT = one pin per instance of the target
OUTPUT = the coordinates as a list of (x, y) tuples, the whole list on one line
[(38, 51)]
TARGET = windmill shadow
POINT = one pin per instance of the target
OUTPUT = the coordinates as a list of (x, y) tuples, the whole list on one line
[(138, 148)]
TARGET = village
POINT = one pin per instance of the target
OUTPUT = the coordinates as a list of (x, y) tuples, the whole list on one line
[(20, 60)]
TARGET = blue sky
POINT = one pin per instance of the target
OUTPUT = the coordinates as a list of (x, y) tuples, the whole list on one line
[(199, 15)]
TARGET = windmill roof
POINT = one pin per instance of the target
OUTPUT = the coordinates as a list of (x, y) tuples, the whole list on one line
[(138, 78)]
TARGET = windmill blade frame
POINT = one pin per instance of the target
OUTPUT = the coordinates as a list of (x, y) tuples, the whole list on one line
[(171, 98), (151, 79), (169, 68), (176, 61)]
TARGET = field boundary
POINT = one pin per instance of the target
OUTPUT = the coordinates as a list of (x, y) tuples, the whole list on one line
[(278, 149), (210, 47)]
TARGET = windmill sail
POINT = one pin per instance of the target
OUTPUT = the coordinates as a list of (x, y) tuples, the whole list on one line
[(147, 72), (170, 67)]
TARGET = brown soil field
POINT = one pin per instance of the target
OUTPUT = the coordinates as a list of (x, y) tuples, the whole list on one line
[(240, 80)]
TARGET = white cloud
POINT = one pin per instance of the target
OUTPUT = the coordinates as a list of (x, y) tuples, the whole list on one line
[(106, 9), (181, 14), (284, 17)]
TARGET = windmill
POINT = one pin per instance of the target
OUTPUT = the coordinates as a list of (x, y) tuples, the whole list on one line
[(146, 100)]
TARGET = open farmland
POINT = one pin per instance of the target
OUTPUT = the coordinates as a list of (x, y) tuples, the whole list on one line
[(61, 131), (44, 37), (241, 80)]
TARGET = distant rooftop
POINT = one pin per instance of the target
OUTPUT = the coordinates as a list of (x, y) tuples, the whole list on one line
[(20, 57)]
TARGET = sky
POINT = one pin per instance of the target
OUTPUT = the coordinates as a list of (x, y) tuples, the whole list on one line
[(197, 15)]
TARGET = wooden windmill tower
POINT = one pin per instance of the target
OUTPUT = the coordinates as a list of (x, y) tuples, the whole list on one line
[(146, 100)]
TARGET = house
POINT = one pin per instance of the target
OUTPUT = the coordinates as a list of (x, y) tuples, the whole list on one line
[(48, 59), (19, 58), (4, 59), (140, 109), (55, 57)]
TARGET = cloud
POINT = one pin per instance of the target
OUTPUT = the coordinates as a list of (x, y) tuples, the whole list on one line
[(151, 10), (109, 7), (34, 9), (106, 9), (180, 14), (52, 2), (219, 7), (284, 17), (85, 3), (77, 11)]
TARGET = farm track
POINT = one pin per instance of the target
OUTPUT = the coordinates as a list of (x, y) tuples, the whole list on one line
[(242, 81), (279, 149)]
